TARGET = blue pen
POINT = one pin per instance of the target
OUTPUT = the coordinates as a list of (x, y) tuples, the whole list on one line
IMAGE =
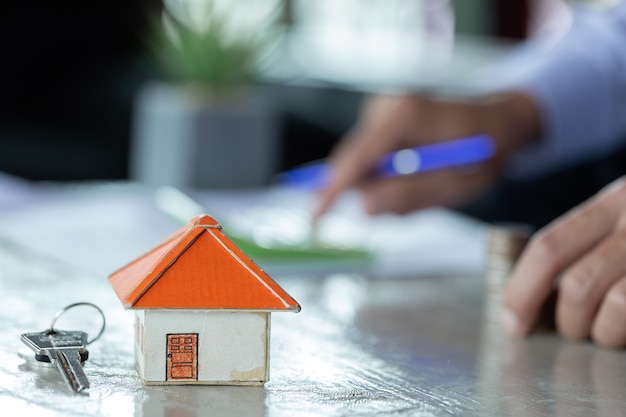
[(409, 161)]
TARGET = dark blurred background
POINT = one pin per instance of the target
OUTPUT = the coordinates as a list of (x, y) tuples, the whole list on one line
[(70, 71), (68, 75)]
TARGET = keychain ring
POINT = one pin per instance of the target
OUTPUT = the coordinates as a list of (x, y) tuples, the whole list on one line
[(82, 303)]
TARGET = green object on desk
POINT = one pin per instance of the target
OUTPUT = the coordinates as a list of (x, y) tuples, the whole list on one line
[(181, 207), (297, 254)]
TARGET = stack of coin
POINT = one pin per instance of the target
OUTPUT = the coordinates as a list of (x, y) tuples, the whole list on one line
[(505, 244)]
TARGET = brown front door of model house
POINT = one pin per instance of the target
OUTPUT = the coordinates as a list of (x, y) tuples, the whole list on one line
[(182, 357)]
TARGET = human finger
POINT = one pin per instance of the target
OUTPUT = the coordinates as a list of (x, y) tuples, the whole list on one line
[(382, 128), (584, 284), (349, 164), (609, 328), (552, 250)]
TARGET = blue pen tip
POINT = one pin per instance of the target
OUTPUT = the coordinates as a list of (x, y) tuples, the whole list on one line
[(311, 176)]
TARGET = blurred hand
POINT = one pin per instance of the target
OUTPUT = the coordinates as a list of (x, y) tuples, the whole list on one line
[(389, 123), (582, 256)]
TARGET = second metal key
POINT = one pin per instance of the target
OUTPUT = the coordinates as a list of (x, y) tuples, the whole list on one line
[(64, 349)]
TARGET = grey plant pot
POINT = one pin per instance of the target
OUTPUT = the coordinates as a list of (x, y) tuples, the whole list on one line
[(183, 139)]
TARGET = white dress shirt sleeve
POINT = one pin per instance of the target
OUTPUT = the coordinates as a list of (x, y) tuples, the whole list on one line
[(579, 84)]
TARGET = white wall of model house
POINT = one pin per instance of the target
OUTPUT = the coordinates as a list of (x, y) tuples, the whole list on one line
[(232, 346)]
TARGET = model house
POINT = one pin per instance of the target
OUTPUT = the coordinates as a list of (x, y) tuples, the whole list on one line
[(202, 309)]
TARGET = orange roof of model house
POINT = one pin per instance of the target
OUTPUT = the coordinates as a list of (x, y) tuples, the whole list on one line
[(198, 267)]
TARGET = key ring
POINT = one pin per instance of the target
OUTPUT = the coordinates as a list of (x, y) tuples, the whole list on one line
[(70, 306)]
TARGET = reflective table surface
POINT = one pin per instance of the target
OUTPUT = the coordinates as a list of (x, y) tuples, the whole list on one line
[(365, 343), (361, 346)]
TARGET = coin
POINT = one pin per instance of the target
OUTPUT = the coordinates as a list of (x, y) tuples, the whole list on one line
[(505, 244)]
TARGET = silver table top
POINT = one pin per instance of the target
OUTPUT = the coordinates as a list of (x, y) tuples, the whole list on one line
[(365, 343)]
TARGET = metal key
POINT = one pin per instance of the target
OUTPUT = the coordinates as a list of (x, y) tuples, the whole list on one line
[(64, 349)]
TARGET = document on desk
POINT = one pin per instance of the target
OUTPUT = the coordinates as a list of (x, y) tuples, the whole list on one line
[(276, 233), (433, 241), (100, 226)]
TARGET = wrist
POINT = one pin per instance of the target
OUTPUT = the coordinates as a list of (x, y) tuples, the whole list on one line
[(514, 118)]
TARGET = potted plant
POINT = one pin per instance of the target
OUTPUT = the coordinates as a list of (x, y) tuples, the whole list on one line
[(202, 125)]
